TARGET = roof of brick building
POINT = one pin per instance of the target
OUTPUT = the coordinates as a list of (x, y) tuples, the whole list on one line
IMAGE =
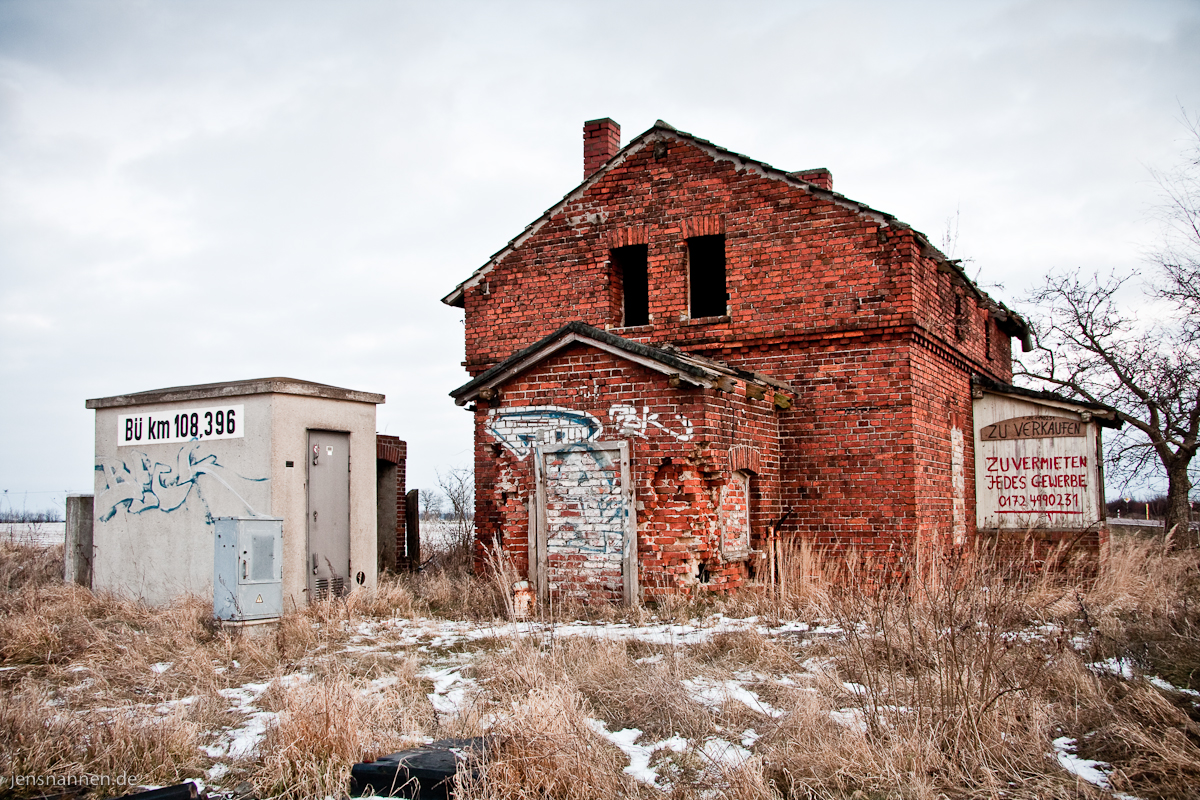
[(688, 368), (1009, 321)]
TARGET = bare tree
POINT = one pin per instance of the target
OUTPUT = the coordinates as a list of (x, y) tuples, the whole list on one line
[(431, 504), (1087, 346), (458, 485), (1179, 255)]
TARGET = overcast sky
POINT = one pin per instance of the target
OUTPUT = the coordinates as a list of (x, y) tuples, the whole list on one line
[(200, 191)]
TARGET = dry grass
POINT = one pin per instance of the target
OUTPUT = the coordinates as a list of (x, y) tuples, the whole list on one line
[(544, 748), (22, 565), (155, 749), (618, 690), (1146, 606), (952, 687), (90, 682), (326, 725)]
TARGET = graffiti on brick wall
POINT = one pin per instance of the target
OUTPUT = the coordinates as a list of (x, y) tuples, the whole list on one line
[(585, 508), (586, 515), (138, 483), (630, 421), (522, 428)]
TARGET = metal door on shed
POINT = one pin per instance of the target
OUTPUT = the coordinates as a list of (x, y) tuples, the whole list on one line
[(328, 514), (585, 533)]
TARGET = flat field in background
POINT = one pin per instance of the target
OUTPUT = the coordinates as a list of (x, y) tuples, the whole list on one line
[(40, 534), (981, 683)]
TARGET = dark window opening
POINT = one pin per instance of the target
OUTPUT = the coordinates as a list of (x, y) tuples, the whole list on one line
[(706, 273), (961, 325), (629, 273)]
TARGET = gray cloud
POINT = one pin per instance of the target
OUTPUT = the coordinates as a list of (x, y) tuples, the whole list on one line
[(196, 192)]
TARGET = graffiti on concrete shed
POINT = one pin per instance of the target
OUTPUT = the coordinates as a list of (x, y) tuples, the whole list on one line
[(139, 484)]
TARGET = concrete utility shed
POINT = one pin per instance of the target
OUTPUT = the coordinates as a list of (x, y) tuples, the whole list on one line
[(168, 461)]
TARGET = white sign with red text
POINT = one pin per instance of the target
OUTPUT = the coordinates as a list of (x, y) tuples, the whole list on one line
[(1035, 465)]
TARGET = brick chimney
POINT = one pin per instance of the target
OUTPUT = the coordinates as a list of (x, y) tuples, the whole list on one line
[(601, 141), (819, 177)]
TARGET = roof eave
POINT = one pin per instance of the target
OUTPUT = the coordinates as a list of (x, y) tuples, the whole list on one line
[(688, 369), (1107, 416)]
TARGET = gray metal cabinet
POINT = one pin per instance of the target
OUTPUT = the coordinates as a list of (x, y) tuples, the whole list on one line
[(248, 568)]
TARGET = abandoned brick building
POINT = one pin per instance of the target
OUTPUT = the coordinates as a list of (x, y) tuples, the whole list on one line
[(693, 349)]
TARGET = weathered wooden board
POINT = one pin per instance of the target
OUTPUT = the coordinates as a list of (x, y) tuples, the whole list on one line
[(1036, 465), (586, 532)]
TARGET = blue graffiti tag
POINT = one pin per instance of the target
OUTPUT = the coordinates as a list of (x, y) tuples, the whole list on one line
[(608, 502), (521, 429), (146, 485)]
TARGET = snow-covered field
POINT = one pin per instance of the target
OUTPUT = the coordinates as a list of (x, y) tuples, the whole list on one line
[(989, 690), (39, 534), (448, 653), (448, 650)]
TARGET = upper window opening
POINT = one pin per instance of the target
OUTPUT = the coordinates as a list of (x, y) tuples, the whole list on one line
[(706, 273), (629, 277), (961, 323)]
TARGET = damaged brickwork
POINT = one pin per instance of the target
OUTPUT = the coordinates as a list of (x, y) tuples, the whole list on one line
[(685, 495), (395, 550), (863, 337)]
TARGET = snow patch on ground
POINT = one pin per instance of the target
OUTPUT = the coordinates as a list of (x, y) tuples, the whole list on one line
[(715, 694), (639, 755), (450, 689), (723, 754), (850, 718), (1121, 667), (167, 706), (1083, 768), (1166, 686), (241, 741)]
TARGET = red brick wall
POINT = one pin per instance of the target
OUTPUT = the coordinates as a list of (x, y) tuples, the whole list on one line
[(855, 313), (678, 470), (941, 403), (797, 264), (395, 451)]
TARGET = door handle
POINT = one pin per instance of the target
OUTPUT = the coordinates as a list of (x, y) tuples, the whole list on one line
[(314, 563)]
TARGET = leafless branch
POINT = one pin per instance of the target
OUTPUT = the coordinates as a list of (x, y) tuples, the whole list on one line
[(1088, 345)]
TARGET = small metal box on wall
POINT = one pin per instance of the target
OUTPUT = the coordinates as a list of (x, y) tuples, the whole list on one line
[(248, 568)]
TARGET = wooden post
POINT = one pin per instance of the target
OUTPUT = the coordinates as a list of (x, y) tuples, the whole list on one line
[(783, 576), (412, 529), (775, 550), (771, 557)]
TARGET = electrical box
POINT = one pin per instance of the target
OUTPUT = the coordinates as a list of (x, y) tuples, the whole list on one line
[(248, 568)]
